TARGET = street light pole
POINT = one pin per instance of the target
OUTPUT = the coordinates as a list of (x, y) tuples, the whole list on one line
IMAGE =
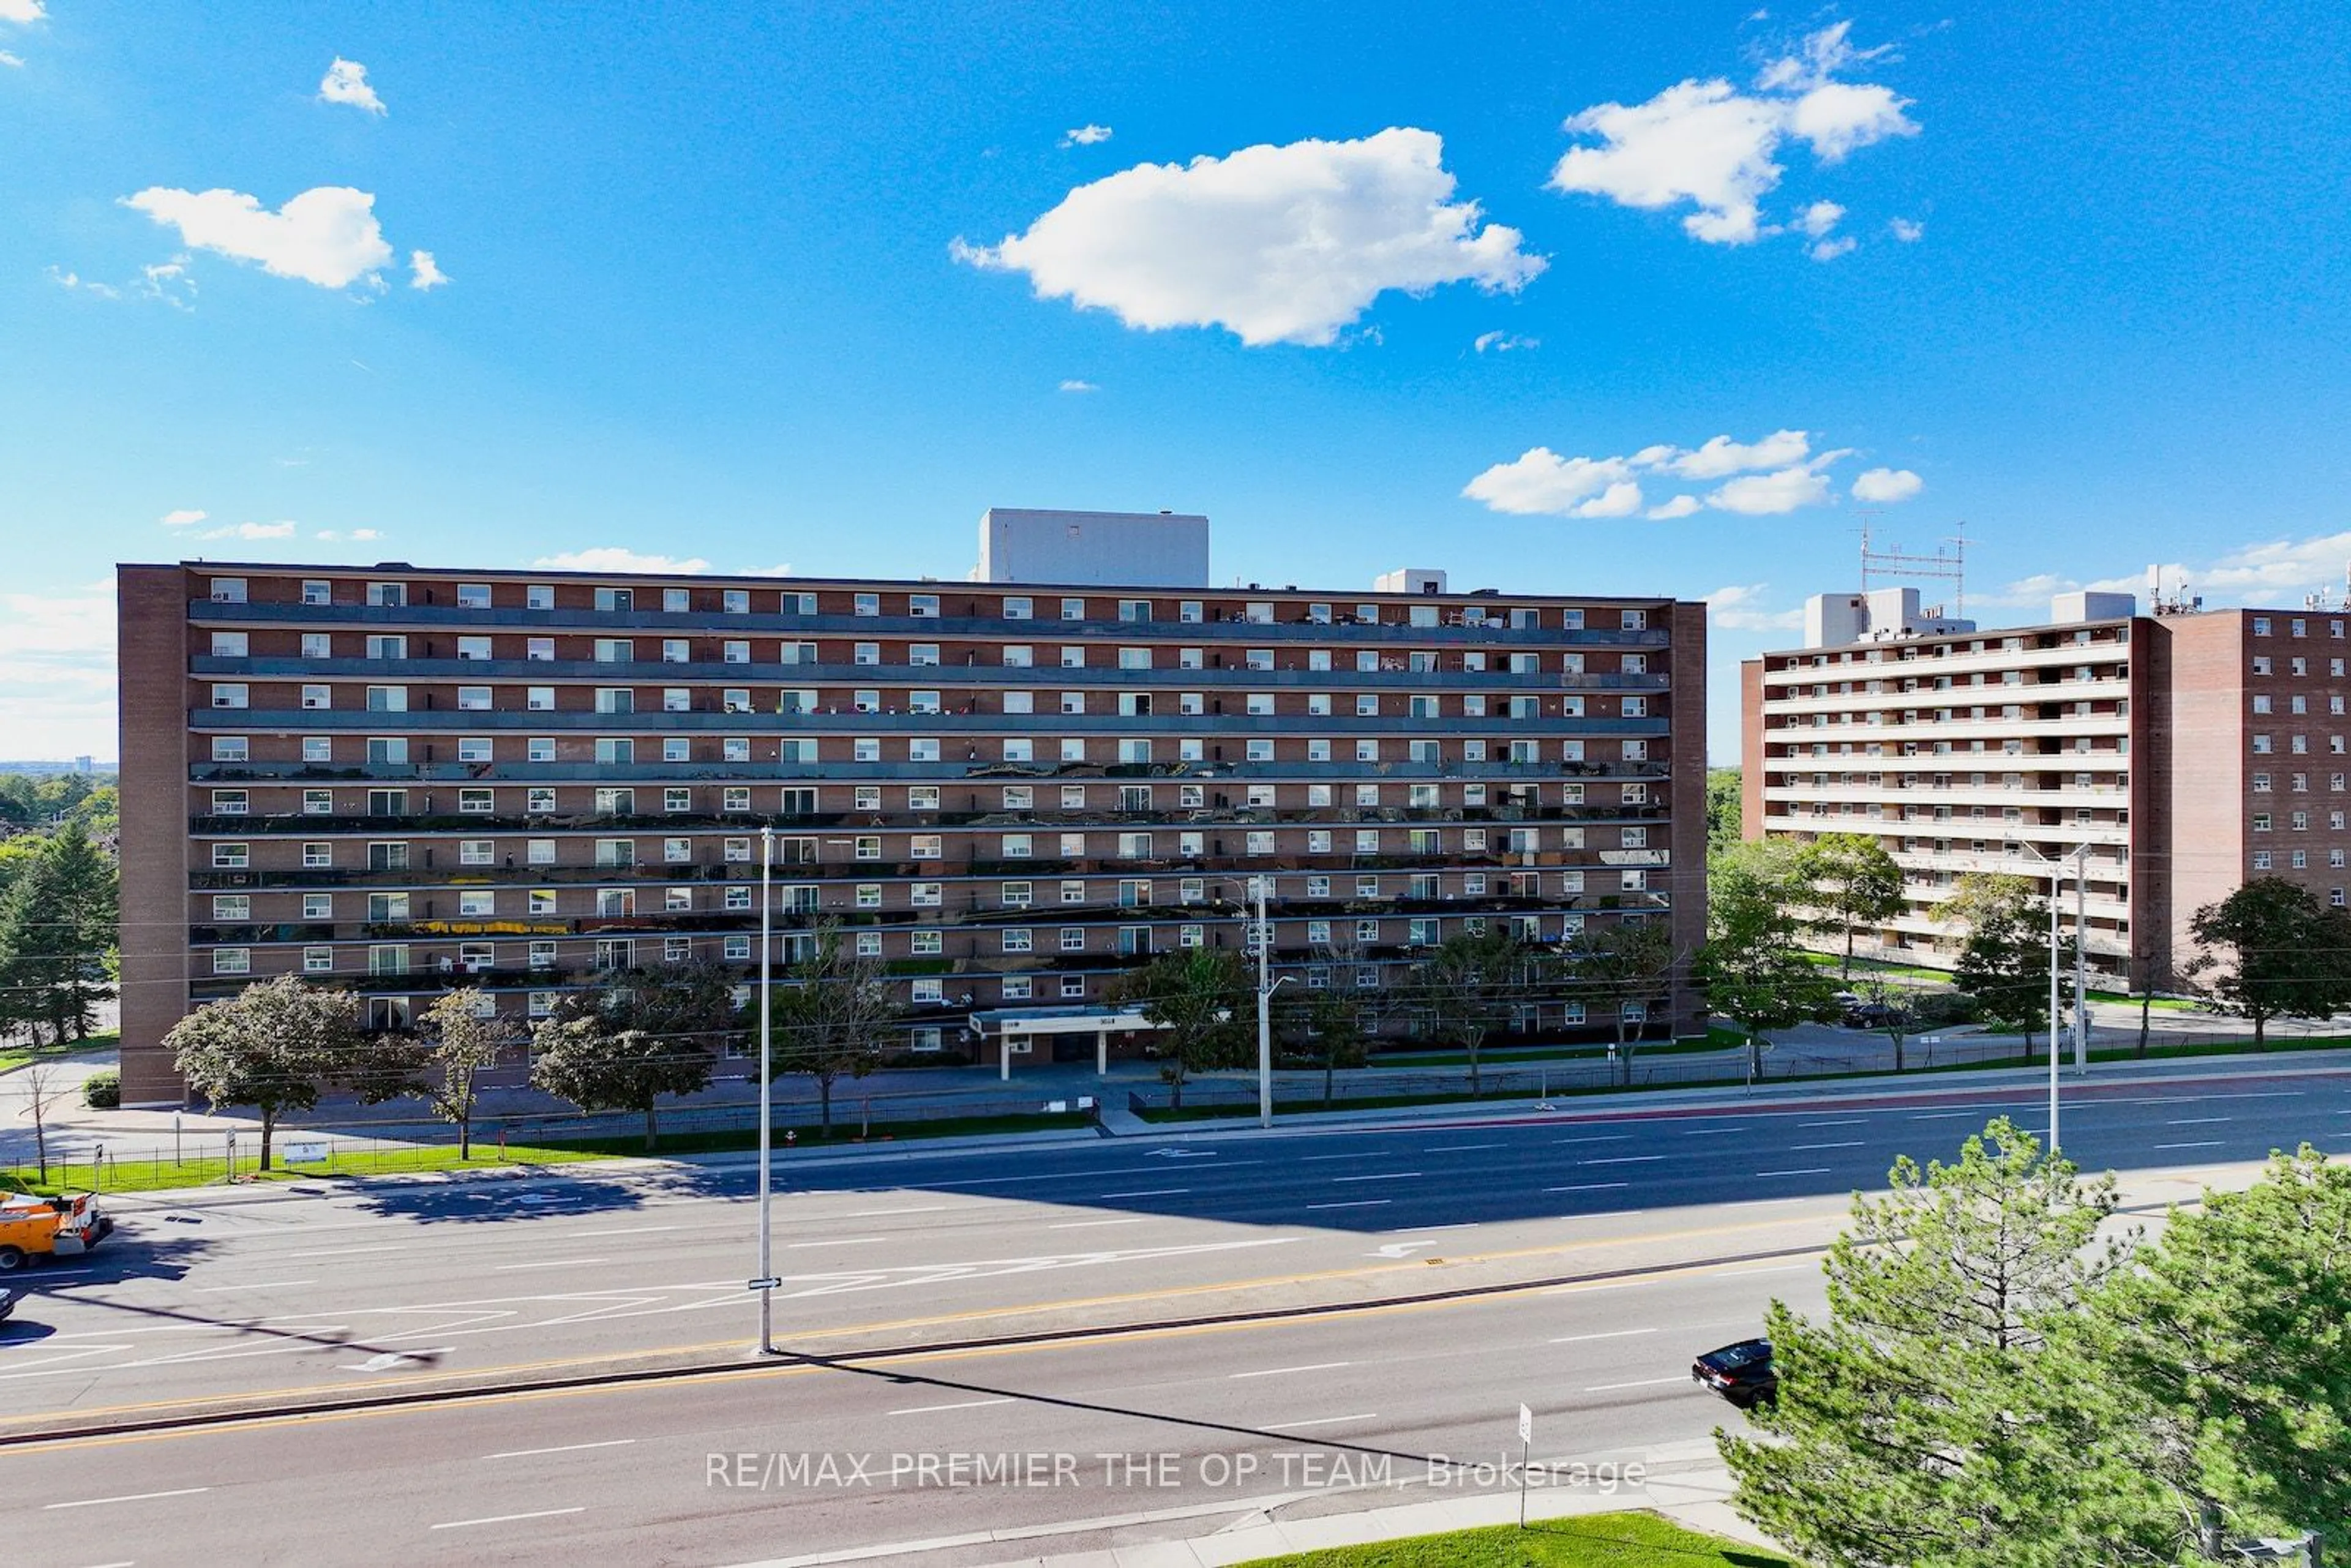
[(767, 1077), (2082, 963), (2055, 893), (1264, 1012)]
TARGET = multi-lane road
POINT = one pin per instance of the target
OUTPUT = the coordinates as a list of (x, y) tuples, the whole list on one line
[(1301, 1312)]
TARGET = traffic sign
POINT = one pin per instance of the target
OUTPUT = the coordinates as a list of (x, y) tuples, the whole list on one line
[(770, 1283)]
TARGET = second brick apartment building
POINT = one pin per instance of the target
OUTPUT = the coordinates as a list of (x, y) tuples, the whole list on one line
[(399, 778), (2190, 749)]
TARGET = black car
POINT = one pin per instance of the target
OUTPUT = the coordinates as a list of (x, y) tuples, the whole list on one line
[(9, 1296), (1869, 1014), (1740, 1372)]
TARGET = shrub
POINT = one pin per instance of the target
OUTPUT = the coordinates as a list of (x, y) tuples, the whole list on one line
[(102, 1090)]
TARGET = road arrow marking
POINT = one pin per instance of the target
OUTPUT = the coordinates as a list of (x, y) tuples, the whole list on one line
[(1399, 1249)]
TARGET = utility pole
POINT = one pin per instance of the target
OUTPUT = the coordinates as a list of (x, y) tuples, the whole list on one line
[(764, 1283), (2082, 963), (1264, 1009)]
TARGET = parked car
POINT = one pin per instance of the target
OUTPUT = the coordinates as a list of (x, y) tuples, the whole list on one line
[(1742, 1372), (1869, 1014), (9, 1296)]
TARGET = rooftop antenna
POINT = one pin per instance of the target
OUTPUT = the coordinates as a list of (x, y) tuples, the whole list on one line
[(1882, 567)]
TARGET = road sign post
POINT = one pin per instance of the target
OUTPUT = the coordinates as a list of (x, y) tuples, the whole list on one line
[(1526, 1446)]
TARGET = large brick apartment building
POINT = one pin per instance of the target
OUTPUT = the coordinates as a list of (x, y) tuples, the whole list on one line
[(2190, 749), (399, 778)]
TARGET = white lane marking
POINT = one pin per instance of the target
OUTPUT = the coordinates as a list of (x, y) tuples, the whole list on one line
[(135, 1497), (1151, 1192), (1809, 1170), (1433, 1230), (1318, 1421), (508, 1518), (2196, 1121), (2207, 1144), (1942, 1116), (626, 1231), (1588, 1187), (554, 1263), (1284, 1370), (963, 1404), (1840, 1122), (1382, 1176), (341, 1252), (1642, 1382), (265, 1285), (1612, 1333), (885, 1213), (835, 1241), (1457, 1148), (390, 1360), (1357, 1203), (1311, 1159), (1091, 1224), (1765, 1269), (1622, 1160), (1609, 1138), (564, 1449), (1855, 1144), (1711, 1132)]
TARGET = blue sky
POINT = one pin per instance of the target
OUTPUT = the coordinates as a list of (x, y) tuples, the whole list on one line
[(808, 286)]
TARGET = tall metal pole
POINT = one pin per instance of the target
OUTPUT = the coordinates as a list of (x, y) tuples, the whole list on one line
[(2056, 869), (2081, 961), (1264, 1010), (767, 1077)]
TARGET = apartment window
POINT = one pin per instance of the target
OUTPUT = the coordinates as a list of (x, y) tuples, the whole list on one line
[(318, 802), (476, 802), (540, 596), (611, 749), (2261, 821), (315, 856), (380, 647), (232, 960), (1260, 703), (866, 604), (1018, 607), (536, 802), (2260, 625), (866, 653), (232, 695)]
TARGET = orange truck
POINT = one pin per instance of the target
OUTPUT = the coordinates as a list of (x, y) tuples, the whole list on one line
[(60, 1227)]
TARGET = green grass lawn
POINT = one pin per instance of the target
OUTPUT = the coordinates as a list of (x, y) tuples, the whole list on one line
[(149, 1171), (1524, 1055), (1592, 1541), (14, 1056)]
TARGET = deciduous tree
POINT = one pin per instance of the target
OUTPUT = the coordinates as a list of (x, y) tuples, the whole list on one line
[(460, 1037), (2270, 951), (1752, 970), (1623, 963), (830, 1015), (274, 1046), (2004, 963), (1853, 883), (1472, 985), (650, 1032), (1204, 1003)]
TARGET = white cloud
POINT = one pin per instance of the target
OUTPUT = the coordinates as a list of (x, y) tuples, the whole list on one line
[(1708, 144), (1723, 455), (1540, 481), (21, 11), (1076, 386), (1778, 473), (182, 518), (618, 557), (279, 531), (1621, 499), (1905, 230), (1085, 135), (366, 533), (1503, 342), (1829, 249), (86, 286), (1781, 490), (57, 671), (1886, 485), (346, 82), (1277, 245), (326, 235), (1735, 609), (168, 281), (421, 271), (8, 59), (783, 570), (1818, 218)]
